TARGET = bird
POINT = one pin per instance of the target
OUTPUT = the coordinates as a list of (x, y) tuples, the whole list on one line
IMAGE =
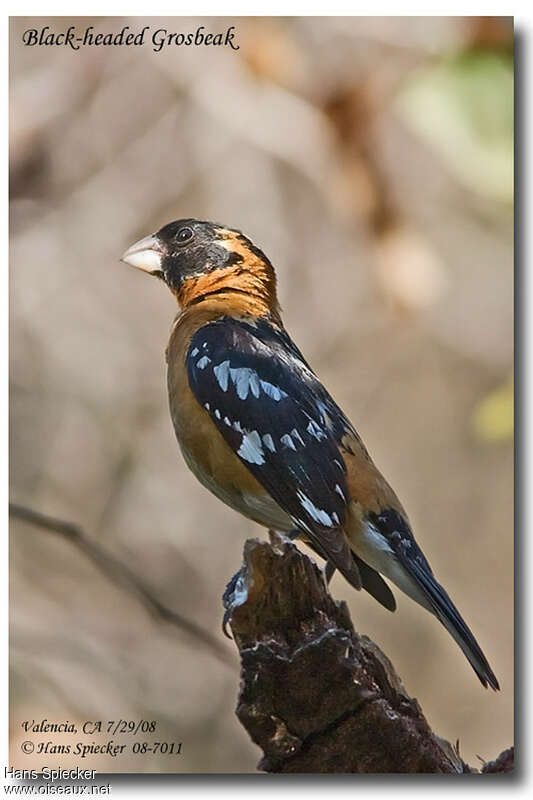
[(259, 430)]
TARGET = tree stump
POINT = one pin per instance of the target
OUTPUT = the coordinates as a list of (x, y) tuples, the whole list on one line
[(315, 695)]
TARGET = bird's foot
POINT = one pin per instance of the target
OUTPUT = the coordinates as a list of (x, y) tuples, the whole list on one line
[(234, 595), (227, 602), (329, 568)]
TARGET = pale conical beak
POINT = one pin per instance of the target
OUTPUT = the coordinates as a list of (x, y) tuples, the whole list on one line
[(146, 254)]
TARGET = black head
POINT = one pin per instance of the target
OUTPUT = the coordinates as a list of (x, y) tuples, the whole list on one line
[(186, 249)]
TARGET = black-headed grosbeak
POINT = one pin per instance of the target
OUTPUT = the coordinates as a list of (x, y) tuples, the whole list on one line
[(258, 429)]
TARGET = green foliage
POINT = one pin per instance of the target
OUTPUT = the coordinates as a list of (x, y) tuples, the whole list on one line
[(493, 417), (463, 108)]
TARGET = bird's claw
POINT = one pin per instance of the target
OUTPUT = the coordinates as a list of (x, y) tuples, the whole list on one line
[(227, 602)]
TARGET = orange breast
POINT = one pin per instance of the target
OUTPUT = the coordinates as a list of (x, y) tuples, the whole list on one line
[(204, 448)]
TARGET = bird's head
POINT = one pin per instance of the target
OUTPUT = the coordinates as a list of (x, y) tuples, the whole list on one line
[(198, 259)]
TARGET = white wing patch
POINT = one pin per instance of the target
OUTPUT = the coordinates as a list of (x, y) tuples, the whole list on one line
[(287, 441), (296, 435), (269, 442), (318, 514), (315, 430), (244, 379), (222, 375), (251, 448), (339, 491), (274, 392)]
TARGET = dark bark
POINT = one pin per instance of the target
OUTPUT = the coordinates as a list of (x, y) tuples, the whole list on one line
[(504, 762), (315, 695)]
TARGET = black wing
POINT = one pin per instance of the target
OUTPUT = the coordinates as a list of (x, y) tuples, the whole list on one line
[(279, 420)]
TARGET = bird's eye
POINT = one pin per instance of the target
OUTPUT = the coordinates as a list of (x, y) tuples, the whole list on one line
[(184, 235)]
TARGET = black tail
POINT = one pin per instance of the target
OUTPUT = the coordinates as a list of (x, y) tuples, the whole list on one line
[(444, 609), (395, 529)]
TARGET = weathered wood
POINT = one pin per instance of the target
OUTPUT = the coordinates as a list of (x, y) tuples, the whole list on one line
[(315, 695)]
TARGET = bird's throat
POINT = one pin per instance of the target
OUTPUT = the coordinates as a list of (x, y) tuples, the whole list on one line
[(239, 289)]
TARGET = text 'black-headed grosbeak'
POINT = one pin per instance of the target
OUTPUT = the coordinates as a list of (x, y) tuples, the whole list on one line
[(258, 429)]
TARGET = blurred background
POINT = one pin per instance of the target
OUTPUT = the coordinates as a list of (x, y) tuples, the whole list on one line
[(372, 160)]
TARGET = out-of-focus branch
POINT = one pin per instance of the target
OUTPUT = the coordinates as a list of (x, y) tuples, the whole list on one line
[(315, 695), (121, 573)]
